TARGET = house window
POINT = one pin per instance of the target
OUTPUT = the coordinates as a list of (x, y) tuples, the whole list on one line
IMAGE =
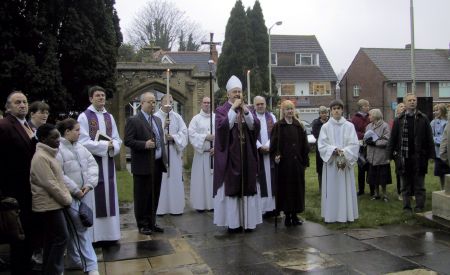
[(444, 89), (401, 89), (320, 88), (288, 89), (356, 90), (274, 59), (306, 59)]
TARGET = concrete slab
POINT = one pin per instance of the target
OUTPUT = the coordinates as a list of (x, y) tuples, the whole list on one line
[(366, 233), (135, 266), (437, 261), (260, 269), (374, 262), (274, 242), (172, 260), (334, 244), (419, 271), (300, 259), (442, 237), (143, 249), (405, 246), (228, 256)]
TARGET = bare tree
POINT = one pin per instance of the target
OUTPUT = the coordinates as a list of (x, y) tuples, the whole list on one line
[(162, 22)]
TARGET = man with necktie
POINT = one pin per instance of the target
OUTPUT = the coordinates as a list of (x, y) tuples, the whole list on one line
[(144, 136), (17, 147)]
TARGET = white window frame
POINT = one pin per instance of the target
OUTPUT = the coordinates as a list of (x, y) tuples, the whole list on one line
[(314, 57), (444, 87), (356, 90), (276, 59), (402, 89)]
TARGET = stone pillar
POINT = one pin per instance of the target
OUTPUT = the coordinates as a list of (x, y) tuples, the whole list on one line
[(441, 201)]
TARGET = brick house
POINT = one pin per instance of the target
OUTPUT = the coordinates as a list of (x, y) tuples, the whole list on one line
[(383, 77), (303, 73)]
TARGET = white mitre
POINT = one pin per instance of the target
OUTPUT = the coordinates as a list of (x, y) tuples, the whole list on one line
[(233, 83)]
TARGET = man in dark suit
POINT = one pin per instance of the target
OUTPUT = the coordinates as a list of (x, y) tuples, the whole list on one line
[(144, 136), (17, 146)]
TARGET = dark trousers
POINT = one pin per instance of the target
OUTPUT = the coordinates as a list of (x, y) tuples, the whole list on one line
[(413, 181), (362, 175), (21, 251), (146, 196), (56, 236)]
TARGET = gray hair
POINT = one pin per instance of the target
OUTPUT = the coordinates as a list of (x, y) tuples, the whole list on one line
[(376, 114), (258, 97), (141, 98), (362, 102), (323, 109)]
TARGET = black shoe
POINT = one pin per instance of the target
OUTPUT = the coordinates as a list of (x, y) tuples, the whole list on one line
[(145, 231), (360, 193), (248, 230), (375, 198), (296, 220), (158, 229), (418, 209), (235, 230), (287, 221), (200, 210)]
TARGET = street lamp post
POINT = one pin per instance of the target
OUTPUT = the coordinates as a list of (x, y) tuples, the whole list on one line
[(270, 63)]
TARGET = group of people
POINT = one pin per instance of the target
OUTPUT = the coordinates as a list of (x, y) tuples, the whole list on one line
[(410, 140), (51, 170), (246, 166)]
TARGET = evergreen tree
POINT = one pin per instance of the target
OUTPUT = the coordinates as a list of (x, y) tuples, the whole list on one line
[(260, 74), (238, 54), (88, 49), (191, 44), (29, 61), (182, 44)]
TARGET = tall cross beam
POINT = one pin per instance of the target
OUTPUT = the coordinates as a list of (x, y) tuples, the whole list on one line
[(212, 45)]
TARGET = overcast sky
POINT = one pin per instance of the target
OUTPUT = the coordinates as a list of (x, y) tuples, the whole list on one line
[(341, 26)]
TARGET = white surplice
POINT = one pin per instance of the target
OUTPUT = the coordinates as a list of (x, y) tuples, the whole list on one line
[(201, 191), (267, 203), (339, 200), (171, 199), (106, 228)]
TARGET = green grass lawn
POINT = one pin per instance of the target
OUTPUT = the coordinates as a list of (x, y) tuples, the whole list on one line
[(371, 213)]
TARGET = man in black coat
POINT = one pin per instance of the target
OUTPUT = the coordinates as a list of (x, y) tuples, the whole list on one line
[(411, 146), (17, 146), (145, 137)]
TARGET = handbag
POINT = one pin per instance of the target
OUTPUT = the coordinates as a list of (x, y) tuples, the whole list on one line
[(10, 226), (86, 215)]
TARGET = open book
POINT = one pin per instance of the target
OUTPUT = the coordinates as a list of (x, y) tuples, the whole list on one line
[(100, 136)]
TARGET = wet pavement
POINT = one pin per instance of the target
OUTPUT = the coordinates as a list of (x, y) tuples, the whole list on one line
[(191, 244)]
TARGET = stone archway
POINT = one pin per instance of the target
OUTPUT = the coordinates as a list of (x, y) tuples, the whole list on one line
[(187, 86)]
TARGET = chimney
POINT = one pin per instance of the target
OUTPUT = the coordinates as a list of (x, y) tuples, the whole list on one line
[(408, 46)]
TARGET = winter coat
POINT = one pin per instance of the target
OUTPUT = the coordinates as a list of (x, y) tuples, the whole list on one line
[(423, 143), (79, 166), (360, 121), (376, 154), (47, 181)]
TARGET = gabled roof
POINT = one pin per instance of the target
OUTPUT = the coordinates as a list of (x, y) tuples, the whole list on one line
[(395, 64), (199, 59), (301, 44)]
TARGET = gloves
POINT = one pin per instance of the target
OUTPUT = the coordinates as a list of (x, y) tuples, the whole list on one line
[(370, 142)]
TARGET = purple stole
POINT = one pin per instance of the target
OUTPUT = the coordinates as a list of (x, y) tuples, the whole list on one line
[(262, 172), (99, 191)]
